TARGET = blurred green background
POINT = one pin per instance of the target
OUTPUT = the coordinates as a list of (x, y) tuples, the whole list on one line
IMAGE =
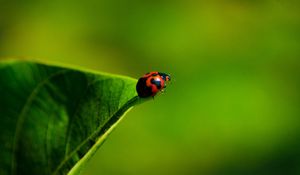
[(233, 107)]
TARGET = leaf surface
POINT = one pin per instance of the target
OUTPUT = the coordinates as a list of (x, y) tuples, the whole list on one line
[(53, 118)]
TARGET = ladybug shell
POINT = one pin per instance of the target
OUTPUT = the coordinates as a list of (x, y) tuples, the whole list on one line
[(150, 84)]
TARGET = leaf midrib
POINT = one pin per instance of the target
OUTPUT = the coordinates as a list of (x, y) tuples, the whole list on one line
[(100, 128)]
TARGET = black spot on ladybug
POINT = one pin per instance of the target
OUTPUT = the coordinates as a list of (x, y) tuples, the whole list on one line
[(155, 74), (143, 90), (156, 82)]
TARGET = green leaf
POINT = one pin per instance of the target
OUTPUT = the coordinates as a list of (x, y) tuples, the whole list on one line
[(53, 119)]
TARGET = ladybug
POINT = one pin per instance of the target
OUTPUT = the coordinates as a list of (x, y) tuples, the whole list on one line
[(152, 83)]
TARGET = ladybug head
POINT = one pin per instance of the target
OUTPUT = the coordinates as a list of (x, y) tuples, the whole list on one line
[(165, 76)]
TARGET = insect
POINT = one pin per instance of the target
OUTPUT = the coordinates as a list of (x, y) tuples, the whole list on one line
[(152, 83)]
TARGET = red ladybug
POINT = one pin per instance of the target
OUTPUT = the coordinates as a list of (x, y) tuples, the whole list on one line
[(151, 83)]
